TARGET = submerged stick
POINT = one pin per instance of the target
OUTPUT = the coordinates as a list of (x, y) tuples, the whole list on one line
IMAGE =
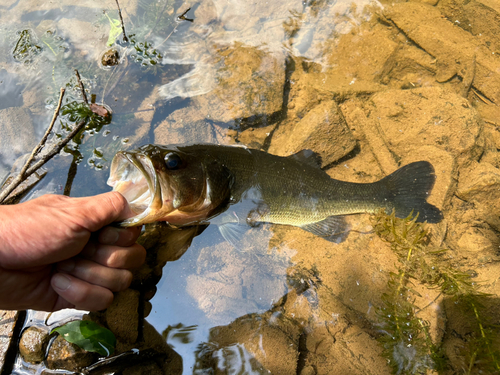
[(81, 87), (23, 174), (29, 169), (125, 39)]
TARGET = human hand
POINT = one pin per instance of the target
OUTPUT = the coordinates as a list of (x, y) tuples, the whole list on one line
[(58, 252)]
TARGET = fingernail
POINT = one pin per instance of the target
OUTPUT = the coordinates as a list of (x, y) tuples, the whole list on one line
[(109, 236), (67, 265), (61, 282)]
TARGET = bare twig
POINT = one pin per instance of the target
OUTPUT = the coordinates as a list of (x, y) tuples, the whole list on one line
[(81, 87), (125, 39), (29, 169), (57, 148), (23, 174), (40, 145), (183, 16), (44, 159)]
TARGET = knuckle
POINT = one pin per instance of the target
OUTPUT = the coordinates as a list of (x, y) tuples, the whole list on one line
[(117, 201), (126, 280)]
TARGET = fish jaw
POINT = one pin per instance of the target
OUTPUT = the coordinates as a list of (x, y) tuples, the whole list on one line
[(133, 175)]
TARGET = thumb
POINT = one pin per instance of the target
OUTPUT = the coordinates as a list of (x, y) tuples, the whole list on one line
[(104, 209)]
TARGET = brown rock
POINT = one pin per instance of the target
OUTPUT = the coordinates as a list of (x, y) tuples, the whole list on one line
[(186, 125), (409, 119), (456, 51), (8, 320), (110, 57), (250, 85), (33, 344), (479, 17), (254, 137), (262, 342), (64, 355), (227, 284), (322, 130), (480, 183)]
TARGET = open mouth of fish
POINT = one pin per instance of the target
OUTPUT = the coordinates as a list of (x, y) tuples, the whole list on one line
[(134, 176)]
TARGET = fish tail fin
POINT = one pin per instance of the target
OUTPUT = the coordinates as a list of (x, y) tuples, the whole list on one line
[(408, 188)]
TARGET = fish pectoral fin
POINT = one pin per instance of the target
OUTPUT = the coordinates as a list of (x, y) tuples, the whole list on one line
[(233, 233), (333, 228)]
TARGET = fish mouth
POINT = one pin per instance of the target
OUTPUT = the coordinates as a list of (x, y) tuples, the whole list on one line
[(134, 176)]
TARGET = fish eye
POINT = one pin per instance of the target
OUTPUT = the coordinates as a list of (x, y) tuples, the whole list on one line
[(173, 161)]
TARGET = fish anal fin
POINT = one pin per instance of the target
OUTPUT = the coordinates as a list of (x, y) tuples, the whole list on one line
[(333, 228), (233, 233), (308, 157)]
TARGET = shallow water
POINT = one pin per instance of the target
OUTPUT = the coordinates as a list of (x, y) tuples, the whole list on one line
[(369, 86)]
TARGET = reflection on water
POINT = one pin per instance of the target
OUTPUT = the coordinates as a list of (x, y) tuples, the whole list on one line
[(369, 86)]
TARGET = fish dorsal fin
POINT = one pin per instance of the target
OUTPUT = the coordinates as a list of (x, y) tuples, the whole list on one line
[(333, 228), (307, 156)]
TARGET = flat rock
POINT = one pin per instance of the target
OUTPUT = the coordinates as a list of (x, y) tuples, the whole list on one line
[(263, 343), (454, 48), (322, 130), (8, 320), (249, 85), (409, 119), (479, 17)]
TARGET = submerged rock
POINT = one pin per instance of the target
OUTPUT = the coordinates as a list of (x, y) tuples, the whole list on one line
[(64, 355), (249, 85), (409, 119), (110, 58), (457, 51), (310, 133), (265, 343)]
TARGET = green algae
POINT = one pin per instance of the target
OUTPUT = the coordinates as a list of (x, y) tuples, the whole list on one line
[(407, 342), (27, 47)]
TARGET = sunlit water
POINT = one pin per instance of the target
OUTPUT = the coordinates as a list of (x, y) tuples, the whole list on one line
[(225, 69)]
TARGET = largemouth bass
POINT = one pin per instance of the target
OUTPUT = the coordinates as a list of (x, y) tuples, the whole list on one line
[(237, 188)]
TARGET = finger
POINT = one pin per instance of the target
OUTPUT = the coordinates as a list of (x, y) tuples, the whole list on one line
[(104, 209), (119, 236), (110, 278), (80, 294), (119, 257)]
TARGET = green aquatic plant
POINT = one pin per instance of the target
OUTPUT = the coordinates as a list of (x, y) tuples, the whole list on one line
[(27, 47), (144, 53), (407, 342), (77, 112), (115, 30)]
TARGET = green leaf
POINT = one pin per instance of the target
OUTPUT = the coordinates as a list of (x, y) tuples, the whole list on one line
[(116, 30), (89, 336)]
